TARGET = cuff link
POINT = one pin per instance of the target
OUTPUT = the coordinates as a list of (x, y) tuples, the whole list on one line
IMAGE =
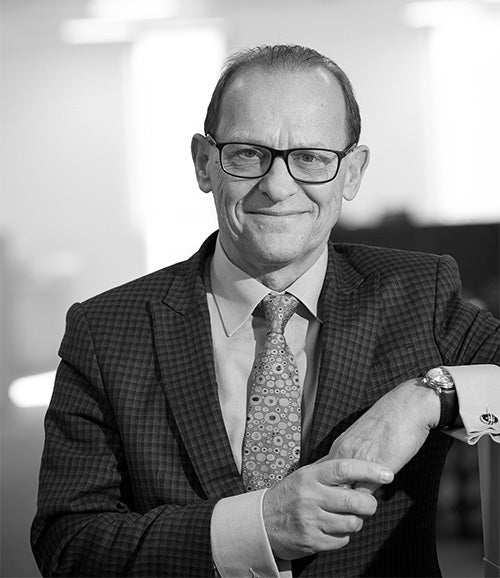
[(488, 418)]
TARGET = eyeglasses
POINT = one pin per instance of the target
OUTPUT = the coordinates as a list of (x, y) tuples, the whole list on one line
[(306, 165)]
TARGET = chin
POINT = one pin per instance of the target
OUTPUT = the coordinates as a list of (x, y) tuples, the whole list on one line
[(279, 252)]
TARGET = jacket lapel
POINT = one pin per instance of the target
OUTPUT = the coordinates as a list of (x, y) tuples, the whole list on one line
[(349, 308), (185, 356)]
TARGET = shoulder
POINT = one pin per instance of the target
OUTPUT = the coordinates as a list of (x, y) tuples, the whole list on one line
[(381, 258), (386, 260), (115, 313), (397, 266), (150, 287), (132, 298)]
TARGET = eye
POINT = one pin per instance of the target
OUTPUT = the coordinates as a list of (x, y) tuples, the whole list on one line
[(309, 157), (249, 153)]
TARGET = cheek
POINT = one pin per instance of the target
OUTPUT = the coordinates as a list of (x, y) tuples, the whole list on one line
[(334, 206), (218, 177), (328, 215), (227, 195), (328, 203)]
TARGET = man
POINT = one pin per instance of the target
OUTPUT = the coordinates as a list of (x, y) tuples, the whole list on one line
[(167, 453)]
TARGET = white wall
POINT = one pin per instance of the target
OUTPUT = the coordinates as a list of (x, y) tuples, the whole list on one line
[(64, 188)]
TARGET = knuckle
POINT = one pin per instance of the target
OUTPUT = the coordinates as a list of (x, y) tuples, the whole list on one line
[(342, 469), (350, 500)]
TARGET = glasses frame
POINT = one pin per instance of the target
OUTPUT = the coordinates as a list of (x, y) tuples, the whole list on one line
[(282, 153)]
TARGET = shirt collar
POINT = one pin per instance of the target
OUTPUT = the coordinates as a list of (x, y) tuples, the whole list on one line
[(237, 294)]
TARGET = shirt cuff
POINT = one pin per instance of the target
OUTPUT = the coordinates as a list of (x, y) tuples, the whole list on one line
[(240, 546), (478, 391)]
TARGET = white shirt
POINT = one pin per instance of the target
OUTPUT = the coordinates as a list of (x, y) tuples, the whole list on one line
[(240, 546)]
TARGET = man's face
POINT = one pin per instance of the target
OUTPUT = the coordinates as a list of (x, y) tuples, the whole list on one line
[(274, 221)]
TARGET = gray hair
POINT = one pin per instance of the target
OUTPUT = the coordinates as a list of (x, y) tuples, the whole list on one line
[(284, 57)]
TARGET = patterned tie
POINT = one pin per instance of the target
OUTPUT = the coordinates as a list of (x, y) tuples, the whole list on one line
[(271, 446)]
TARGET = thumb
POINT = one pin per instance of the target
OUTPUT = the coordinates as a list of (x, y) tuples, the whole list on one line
[(335, 472)]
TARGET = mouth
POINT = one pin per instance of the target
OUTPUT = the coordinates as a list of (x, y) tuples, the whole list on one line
[(270, 213)]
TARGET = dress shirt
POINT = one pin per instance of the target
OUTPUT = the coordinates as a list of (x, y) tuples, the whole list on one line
[(238, 335), (240, 545)]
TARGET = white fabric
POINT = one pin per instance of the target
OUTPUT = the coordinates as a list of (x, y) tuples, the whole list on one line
[(230, 531), (475, 384)]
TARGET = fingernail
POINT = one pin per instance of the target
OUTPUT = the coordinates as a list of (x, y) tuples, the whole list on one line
[(387, 476)]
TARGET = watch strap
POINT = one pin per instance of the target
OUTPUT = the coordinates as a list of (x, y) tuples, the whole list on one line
[(449, 407), (441, 381)]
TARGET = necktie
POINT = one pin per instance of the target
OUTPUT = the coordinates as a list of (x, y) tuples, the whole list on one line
[(271, 445)]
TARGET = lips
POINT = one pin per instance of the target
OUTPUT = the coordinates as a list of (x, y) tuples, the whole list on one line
[(267, 213)]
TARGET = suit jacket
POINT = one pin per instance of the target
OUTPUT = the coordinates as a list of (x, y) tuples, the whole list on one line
[(136, 453)]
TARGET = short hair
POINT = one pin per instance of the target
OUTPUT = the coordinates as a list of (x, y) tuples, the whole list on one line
[(284, 57)]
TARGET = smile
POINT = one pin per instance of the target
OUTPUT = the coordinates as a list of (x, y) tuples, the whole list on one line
[(266, 213)]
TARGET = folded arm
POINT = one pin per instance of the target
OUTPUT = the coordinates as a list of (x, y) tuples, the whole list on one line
[(393, 430)]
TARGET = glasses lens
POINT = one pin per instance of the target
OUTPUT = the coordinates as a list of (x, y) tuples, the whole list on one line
[(313, 165), (245, 160)]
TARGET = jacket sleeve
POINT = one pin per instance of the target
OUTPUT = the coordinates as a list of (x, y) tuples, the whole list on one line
[(86, 523), (464, 333)]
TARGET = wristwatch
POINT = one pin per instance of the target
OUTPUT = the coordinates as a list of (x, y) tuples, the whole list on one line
[(440, 380)]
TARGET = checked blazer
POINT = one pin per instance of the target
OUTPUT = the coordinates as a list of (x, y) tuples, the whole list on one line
[(136, 453)]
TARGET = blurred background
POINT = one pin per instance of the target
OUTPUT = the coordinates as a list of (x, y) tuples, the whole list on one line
[(98, 103)]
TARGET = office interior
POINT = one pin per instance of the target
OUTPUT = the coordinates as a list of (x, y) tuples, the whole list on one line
[(98, 103)]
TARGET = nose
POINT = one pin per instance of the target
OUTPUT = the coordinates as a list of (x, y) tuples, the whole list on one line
[(278, 184)]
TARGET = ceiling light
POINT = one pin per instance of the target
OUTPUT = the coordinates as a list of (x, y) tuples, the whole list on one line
[(132, 9)]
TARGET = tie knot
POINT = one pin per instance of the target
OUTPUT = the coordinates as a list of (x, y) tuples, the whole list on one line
[(278, 309)]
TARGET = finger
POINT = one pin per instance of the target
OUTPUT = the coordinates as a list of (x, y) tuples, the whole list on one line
[(340, 525), (332, 531), (367, 487), (344, 501), (349, 471), (326, 542)]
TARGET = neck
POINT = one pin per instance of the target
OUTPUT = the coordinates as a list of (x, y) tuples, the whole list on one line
[(279, 279), (277, 276)]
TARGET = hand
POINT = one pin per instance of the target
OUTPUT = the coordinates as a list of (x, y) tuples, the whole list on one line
[(308, 511), (393, 430)]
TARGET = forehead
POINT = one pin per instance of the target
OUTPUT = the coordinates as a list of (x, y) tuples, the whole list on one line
[(292, 107)]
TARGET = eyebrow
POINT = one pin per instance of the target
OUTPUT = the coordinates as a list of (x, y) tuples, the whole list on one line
[(260, 142)]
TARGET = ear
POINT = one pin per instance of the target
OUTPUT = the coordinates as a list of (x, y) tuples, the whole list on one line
[(360, 157), (201, 155)]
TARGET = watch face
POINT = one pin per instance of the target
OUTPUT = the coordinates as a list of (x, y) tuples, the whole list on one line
[(439, 376)]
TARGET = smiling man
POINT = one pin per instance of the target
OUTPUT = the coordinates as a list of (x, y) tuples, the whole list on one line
[(276, 224), (277, 404)]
